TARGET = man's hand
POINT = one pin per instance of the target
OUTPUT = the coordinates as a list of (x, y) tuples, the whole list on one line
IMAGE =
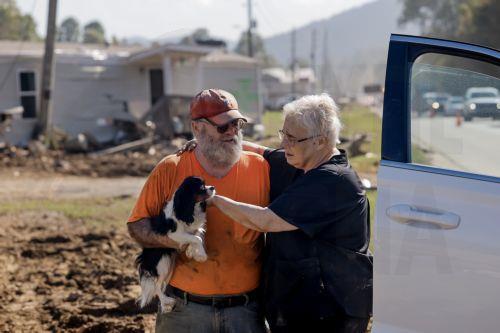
[(188, 146), (196, 251), (167, 242)]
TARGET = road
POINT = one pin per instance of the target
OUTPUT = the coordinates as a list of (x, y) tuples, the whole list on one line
[(32, 186), (472, 147)]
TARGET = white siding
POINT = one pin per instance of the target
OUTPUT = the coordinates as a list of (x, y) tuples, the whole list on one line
[(80, 91), (241, 82), (184, 77)]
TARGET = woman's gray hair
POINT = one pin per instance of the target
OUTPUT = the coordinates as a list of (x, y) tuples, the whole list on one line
[(318, 113)]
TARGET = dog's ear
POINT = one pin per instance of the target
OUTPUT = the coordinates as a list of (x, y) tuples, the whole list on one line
[(184, 202)]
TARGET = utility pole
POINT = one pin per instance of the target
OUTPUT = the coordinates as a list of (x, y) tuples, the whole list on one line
[(324, 66), (251, 24), (293, 62), (313, 57), (44, 120)]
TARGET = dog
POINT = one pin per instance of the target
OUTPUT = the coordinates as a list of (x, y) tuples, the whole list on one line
[(181, 218)]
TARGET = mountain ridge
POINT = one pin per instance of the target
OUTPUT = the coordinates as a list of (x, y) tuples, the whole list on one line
[(356, 40)]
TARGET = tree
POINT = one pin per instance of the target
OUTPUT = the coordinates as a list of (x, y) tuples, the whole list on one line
[(439, 18), (303, 63), (257, 44), (485, 25), (114, 40), (259, 50), (69, 31), (197, 35), (93, 33), (474, 21), (14, 25)]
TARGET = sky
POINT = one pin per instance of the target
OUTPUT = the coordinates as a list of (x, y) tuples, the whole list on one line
[(158, 19)]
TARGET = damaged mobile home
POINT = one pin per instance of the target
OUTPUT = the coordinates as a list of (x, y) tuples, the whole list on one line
[(98, 90)]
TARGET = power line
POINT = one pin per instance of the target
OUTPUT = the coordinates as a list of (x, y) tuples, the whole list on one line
[(282, 18), (272, 19), (264, 15)]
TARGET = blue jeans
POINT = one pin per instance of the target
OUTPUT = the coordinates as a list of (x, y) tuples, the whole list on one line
[(197, 318)]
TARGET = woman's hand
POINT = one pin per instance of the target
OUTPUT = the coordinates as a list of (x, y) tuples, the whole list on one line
[(188, 146), (210, 201)]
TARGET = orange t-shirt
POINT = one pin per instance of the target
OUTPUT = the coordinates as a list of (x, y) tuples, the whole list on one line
[(234, 260)]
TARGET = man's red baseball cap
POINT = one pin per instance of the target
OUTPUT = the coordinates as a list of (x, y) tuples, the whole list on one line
[(217, 104)]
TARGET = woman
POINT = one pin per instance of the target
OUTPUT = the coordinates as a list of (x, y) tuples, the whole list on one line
[(318, 272)]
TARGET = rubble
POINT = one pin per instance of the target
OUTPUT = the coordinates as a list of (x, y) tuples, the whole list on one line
[(353, 145), (136, 160)]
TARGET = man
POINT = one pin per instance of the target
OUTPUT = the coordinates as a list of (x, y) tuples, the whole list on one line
[(219, 294)]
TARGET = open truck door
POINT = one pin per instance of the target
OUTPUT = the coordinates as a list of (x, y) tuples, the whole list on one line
[(437, 240)]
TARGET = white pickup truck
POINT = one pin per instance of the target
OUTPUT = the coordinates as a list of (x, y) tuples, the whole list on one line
[(437, 237), (482, 102)]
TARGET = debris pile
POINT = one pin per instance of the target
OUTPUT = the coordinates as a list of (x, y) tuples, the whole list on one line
[(135, 158)]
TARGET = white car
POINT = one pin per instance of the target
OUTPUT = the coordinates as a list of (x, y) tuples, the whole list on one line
[(437, 228), (482, 102)]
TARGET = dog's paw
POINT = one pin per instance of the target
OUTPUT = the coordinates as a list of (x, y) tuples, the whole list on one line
[(167, 308), (200, 256), (167, 304), (190, 251), (196, 252)]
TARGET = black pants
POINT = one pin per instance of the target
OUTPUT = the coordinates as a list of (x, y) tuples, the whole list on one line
[(337, 324)]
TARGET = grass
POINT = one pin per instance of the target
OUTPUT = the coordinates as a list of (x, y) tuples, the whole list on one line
[(272, 121), (93, 212), (358, 119), (418, 155), (372, 197)]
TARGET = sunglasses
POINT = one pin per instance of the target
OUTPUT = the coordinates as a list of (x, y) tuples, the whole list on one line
[(221, 129)]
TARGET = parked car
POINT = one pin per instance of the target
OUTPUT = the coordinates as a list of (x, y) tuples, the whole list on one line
[(436, 101), (437, 239), (482, 102), (454, 106)]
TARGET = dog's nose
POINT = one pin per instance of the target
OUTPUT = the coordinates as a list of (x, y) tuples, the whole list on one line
[(211, 188)]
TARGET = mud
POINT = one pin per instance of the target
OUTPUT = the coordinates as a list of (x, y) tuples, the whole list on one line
[(59, 276)]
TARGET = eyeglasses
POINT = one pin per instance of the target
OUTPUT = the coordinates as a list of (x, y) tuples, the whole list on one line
[(291, 140), (237, 123)]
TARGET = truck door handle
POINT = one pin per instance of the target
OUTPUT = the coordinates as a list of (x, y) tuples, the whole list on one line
[(423, 217)]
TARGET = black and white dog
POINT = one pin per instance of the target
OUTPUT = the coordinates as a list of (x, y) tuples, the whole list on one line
[(181, 218)]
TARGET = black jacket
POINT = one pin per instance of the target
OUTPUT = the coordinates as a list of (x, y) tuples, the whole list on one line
[(324, 266)]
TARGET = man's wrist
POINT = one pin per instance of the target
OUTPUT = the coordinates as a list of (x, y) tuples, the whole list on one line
[(169, 243)]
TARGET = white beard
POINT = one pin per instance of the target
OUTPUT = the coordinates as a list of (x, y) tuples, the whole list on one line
[(220, 154)]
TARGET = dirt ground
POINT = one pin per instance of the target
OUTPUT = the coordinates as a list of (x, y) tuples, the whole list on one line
[(59, 276), (22, 184)]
